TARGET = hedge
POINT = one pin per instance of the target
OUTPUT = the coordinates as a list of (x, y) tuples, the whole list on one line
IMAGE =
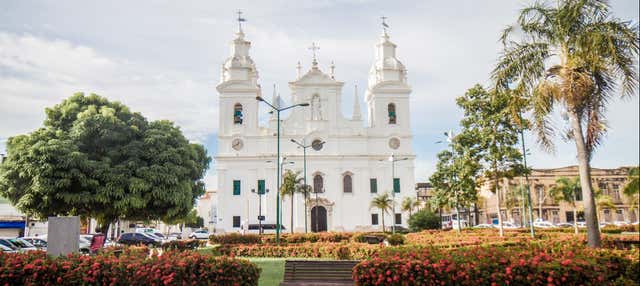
[(476, 266), (357, 251), (182, 245), (171, 268), (236, 238)]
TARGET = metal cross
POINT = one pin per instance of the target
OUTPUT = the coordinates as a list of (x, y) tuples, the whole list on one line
[(240, 19), (314, 48), (384, 23)]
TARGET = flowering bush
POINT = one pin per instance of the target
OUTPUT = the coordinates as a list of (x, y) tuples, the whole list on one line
[(396, 239), (182, 245), (529, 265), (171, 268), (331, 250), (234, 238)]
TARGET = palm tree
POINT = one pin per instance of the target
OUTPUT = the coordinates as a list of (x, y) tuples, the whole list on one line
[(409, 204), (632, 189), (567, 190), (384, 203), (575, 55), (290, 185)]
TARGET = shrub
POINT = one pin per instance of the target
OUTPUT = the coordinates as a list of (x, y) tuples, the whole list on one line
[(362, 237), (424, 219), (171, 268), (182, 245), (396, 239), (234, 238), (497, 266), (331, 250)]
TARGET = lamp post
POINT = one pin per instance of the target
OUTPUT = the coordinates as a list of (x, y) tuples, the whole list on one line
[(278, 110), (260, 217), (450, 136), (393, 161), (284, 161), (304, 159)]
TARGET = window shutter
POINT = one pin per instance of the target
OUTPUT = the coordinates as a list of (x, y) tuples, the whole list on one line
[(373, 185), (261, 189), (396, 185), (236, 187)]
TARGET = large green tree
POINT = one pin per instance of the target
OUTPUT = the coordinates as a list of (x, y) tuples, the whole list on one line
[(96, 158), (487, 123), (454, 180), (576, 55)]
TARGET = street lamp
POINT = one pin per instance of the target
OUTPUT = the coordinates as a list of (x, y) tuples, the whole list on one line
[(393, 161), (278, 110), (304, 159), (260, 217), (450, 136)]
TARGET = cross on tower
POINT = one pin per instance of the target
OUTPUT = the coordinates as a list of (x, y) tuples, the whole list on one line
[(240, 20), (384, 23), (314, 48)]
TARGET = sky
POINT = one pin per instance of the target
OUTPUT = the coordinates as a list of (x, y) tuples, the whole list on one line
[(162, 58)]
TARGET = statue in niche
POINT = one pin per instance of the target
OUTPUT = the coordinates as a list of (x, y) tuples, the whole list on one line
[(316, 108)]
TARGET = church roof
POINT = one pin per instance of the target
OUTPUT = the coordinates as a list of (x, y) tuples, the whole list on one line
[(314, 77)]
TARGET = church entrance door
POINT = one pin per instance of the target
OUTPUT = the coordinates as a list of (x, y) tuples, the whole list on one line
[(318, 219)]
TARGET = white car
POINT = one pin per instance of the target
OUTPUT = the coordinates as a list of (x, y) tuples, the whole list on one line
[(543, 224), (484, 225), (620, 223), (509, 225), (199, 234)]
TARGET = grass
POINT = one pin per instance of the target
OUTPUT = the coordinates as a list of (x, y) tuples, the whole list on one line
[(272, 270)]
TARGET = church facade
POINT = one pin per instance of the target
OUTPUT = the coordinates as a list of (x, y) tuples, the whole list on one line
[(350, 160)]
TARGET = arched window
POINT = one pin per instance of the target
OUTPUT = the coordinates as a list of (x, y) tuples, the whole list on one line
[(347, 183), (318, 184), (391, 108), (237, 114)]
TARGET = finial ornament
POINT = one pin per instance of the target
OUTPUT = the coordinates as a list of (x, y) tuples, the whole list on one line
[(384, 24), (314, 48), (240, 20)]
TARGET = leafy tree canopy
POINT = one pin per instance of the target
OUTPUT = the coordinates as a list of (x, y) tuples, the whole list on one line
[(424, 219), (97, 158)]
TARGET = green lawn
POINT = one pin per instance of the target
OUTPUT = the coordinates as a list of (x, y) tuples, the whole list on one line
[(272, 270)]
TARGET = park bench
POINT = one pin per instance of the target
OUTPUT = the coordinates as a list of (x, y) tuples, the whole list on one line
[(318, 272)]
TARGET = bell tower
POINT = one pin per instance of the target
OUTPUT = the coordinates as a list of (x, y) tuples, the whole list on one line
[(387, 94), (238, 88)]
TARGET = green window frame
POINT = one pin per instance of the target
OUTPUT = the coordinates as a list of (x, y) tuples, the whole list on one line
[(396, 185), (261, 187), (236, 187), (373, 185)]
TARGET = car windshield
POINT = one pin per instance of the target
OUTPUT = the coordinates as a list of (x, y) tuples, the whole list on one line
[(21, 243), (8, 243)]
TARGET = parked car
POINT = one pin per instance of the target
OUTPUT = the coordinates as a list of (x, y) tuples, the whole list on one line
[(18, 244), (37, 242), (7, 249), (174, 236), (582, 224), (509, 225), (620, 223), (199, 234), (543, 224), (136, 238), (564, 224), (484, 225)]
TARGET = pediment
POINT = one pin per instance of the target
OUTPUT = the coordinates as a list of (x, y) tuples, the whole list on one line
[(316, 77)]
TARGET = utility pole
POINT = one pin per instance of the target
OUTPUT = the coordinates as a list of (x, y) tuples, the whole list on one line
[(278, 172)]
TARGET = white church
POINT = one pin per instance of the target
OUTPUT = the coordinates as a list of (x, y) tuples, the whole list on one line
[(351, 167)]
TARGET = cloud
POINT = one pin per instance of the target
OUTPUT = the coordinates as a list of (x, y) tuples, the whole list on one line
[(37, 72)]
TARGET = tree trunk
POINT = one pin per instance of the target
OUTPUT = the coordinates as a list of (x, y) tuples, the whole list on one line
[(476, 213), (104, 227), (499, 211), (575, 218), (291, 213), (381, 215), (593, 235)]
